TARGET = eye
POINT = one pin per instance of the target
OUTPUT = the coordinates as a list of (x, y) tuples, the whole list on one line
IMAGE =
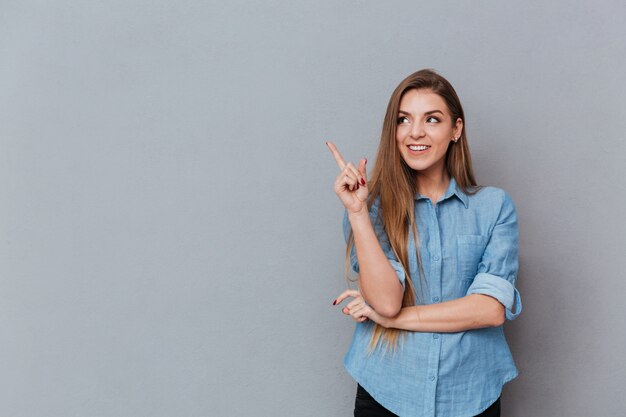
[(402, 119), (432, 119)]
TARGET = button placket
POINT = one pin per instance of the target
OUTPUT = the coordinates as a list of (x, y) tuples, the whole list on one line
[(435, 293), (436, 255)]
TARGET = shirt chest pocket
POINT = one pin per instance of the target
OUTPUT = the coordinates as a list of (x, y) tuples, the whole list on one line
[(470, 249)]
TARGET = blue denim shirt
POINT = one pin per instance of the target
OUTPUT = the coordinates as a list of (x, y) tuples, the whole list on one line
[(468, 245)]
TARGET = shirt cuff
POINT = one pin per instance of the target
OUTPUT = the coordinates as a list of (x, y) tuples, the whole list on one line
[(500, 289)]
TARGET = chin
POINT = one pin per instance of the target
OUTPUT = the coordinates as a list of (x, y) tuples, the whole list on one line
[(422, 166), (418, 165)]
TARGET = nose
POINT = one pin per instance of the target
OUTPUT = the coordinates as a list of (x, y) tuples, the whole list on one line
[(417, 130)]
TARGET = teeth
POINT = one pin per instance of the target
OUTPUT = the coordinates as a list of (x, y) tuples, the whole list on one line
[(418, 147)]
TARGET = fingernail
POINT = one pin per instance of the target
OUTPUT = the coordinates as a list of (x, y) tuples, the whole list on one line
[(362, 181), (334, 302)]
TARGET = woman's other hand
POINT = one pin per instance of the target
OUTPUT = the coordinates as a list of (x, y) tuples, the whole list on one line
[(358, 309), (351, 183)]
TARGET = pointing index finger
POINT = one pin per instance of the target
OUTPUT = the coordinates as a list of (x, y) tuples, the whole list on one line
[(346, 294), (338, 158)]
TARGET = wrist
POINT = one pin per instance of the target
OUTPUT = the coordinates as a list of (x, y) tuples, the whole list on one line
[(359, 216)]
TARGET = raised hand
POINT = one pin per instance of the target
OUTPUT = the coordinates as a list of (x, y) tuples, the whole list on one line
[(351, 183)]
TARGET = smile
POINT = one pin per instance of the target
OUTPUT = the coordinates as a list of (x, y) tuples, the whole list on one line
[(418, 148)]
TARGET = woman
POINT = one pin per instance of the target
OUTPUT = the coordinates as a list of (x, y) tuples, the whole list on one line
[(436, 258)]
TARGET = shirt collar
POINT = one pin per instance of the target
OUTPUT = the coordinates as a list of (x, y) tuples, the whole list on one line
[(453, 189)]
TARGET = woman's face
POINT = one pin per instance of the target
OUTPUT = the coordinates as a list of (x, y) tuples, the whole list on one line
[(425, 130)]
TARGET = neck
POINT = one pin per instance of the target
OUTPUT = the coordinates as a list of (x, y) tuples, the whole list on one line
[(433, 186)]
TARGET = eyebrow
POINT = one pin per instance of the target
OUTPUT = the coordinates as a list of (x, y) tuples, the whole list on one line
[(426, 114)]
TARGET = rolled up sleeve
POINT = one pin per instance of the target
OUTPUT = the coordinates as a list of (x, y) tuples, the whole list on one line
[(382, 239), (497, 270)]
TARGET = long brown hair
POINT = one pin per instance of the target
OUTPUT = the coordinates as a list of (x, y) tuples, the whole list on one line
[(394, 183)]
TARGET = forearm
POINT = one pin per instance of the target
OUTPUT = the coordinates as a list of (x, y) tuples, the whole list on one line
[(474, 311), (378, 281)]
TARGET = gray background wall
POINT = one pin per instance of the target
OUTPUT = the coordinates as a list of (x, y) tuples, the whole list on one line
[(170, 244)]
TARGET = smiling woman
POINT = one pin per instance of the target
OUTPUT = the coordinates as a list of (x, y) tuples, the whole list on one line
[(424, 131), (436, 258)]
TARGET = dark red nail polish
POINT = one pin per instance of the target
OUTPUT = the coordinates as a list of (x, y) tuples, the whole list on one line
[(362, 181), (335, 302)]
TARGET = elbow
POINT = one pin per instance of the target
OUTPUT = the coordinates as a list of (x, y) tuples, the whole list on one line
[(493, 313), (389, 310), (389, 306), (498, 316)]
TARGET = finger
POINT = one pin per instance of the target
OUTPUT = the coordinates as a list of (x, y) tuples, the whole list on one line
[(338, 158), (358, 313), (346, 294), (346, 178), (355, 171), (362, 319), (350, 173), (343, 181), (353, 179), (357, 308), (355, 303), (363, 170)]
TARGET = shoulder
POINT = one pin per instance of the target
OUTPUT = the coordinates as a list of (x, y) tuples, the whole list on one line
[(492, 202), (491, 195)]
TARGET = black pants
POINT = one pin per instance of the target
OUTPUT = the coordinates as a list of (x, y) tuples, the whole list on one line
[(366, 406)]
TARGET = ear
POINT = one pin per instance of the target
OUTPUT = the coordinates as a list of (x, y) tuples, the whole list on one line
[(458, 128)]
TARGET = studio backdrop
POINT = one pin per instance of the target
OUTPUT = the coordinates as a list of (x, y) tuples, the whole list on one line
[(170, 243)]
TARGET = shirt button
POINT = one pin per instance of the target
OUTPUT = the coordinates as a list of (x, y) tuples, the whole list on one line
[(432, 378), (435, 336), (435, 258), (435, 299)]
